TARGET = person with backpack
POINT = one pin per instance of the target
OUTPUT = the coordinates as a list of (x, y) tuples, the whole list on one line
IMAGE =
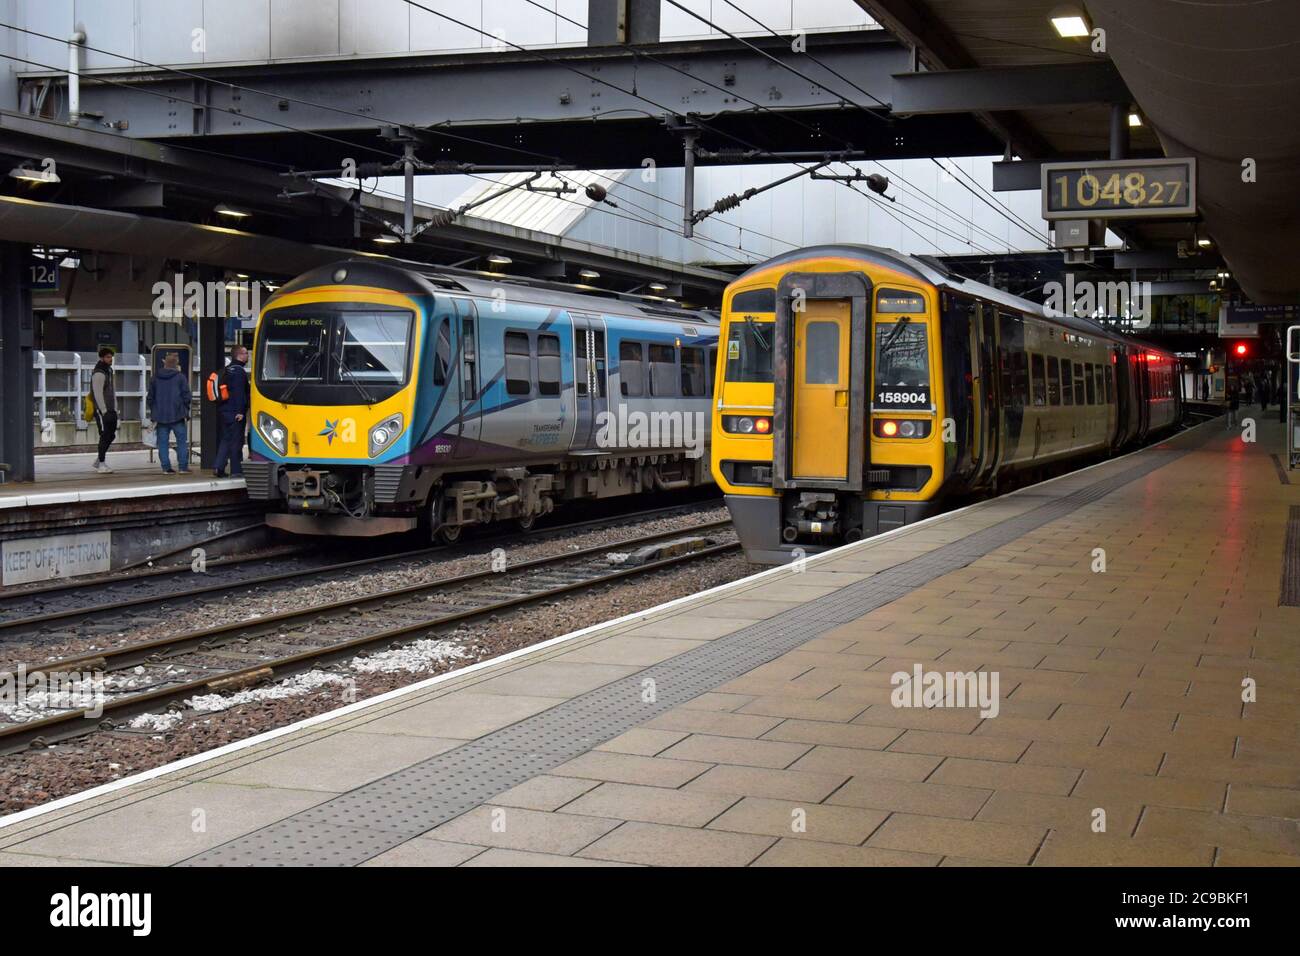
[(168, 404), (232, 394), (104, 399)]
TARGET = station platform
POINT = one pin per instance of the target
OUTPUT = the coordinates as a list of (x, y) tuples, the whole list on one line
[(73, 521), (758, 724)]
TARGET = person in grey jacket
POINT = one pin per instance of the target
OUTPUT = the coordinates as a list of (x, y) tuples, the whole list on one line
[(168, 404), (105, 399)]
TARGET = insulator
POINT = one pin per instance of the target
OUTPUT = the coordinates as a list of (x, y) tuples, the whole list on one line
[(596, 192), (443, 217)]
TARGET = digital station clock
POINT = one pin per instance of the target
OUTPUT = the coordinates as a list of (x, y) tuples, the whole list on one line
[(1120, 189)]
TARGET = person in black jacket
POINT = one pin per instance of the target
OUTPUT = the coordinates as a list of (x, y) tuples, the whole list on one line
[(234, 415), (105, 401), (169, 406)]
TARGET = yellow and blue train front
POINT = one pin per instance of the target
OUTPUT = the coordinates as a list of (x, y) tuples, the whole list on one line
[(333, 403)]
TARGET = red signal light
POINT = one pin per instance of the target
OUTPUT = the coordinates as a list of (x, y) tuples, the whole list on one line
[(1241, 348)]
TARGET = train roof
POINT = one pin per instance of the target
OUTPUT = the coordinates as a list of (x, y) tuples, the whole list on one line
[(932, 271), (423, 281)]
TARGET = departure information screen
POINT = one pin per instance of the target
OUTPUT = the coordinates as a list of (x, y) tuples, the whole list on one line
[(1119, 189)]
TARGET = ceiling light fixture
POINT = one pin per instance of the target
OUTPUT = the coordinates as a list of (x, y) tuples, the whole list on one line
[(1070, 24), (29, 175), (386, 240), (497, 259), (588, 274), (224, 209)]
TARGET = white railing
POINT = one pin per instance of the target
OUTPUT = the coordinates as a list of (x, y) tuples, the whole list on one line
[(63, 380)]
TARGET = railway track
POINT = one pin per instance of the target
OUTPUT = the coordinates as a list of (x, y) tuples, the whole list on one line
[(151, 675), (63, 606)]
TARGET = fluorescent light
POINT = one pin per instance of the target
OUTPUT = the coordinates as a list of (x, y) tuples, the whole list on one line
[(1134, 119), (29, 175), (1204, 243), (226, 210), (1071, 26), (658, 287), (497, 259), (589, 274), (386, 240)]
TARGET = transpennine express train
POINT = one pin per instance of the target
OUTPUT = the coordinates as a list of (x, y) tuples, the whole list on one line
[(857, 388), (384, 397)]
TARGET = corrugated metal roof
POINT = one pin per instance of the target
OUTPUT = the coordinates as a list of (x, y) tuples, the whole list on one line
[(541, 212)]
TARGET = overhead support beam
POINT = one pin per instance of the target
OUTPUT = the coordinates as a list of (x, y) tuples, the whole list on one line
[(17, 385), (937, 49), (1162, 259), (1023, 174), (1008, 88), (451, 91)]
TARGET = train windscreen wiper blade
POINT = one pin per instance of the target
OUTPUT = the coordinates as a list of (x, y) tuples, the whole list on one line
[(302, 374), (894, 333), (758, 336), (351, 377)]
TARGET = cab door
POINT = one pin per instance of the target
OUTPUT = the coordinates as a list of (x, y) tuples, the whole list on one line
[(820, 439)]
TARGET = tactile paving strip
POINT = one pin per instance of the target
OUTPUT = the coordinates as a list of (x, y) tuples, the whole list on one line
[(1290, 595), (362, 823)]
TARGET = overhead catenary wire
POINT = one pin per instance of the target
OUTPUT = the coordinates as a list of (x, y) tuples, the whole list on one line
[(1005, 211), (317, 134), (669, 111), (968, 223)]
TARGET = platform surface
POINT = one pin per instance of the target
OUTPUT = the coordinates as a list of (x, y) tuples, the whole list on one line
[(754, 725), (69, 478)]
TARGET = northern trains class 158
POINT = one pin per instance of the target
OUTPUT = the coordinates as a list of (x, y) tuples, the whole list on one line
[(859, 388), (384, 397)]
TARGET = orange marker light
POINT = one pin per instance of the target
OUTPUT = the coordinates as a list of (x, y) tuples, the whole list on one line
[(890, 429), (762, 425)]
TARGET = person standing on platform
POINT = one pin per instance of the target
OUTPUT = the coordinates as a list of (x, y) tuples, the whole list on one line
[(169, 407), (1250, 391), (1234, 402), (234, 415), (105, 399)]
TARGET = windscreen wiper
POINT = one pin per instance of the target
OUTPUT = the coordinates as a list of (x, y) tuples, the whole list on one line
[(351, 377), (758, 336), (307, 367), (894, 333)]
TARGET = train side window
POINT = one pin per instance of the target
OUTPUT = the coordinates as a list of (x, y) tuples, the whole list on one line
[(693, 374), (442, 353), (548, 365), (1110, 384), (712, 370), (582, 370), (1067, 382), (1004, 373), (1090, 384), (1020, 378), (1038, 379), (518, 362), (1053, 380), (1079, 396), (1100, 383), (631, 369), (663, 370)]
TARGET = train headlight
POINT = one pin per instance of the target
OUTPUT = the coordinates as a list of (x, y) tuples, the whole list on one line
[(276, 435), (900, 428), (385, 433), (746, 425)]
